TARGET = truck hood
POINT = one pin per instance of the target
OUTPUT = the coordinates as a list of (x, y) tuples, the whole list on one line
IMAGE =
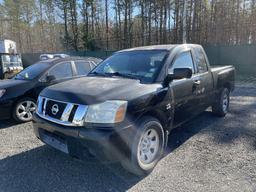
[(92, 90)]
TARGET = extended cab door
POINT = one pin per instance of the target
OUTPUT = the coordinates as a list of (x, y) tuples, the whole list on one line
[(204, 75), (184, 90)]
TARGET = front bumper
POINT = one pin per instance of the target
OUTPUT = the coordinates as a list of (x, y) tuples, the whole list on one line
[(5, 109), (84, 143)]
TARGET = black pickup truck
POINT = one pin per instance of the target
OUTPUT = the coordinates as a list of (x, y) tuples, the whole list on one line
[(127, 106)]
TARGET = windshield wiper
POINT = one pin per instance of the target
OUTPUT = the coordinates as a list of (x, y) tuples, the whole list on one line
[(125, 75), (97, 74)]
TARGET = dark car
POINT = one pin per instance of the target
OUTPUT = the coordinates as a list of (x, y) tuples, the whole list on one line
[(18, 95), (126, 107)]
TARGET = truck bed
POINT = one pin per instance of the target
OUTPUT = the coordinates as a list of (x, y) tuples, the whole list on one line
[(220, 67), (224, 75)]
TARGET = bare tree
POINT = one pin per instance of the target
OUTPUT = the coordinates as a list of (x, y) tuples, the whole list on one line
[(55, 25)]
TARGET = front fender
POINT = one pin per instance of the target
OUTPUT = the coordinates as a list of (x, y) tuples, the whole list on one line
[(159, 105)]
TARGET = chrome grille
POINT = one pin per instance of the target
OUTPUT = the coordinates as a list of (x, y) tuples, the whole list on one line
[(72, 115)]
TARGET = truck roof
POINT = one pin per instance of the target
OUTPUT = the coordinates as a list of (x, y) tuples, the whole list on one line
[(166, 47)]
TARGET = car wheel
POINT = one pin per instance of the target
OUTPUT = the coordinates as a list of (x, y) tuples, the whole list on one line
[(24, 109), (221, 107), (147, 147)]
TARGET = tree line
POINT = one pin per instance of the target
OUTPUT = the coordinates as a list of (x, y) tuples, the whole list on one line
[(78, 25)]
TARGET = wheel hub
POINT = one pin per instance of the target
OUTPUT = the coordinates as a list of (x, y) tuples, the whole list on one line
[(225, 102), (148, 147)]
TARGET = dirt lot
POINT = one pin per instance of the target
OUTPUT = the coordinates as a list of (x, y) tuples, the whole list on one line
[(208, 154)]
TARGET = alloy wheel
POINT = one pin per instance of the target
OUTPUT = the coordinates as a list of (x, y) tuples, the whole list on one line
[(25, 110)]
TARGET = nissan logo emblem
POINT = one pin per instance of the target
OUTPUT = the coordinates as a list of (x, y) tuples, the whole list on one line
[(55, 109)]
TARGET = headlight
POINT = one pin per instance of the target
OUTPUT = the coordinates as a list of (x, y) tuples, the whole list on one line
[(107, 112), (2, 92)]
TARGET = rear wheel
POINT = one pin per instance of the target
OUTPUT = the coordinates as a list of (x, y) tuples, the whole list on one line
[(221, 107), (147, 147), (24, 109)]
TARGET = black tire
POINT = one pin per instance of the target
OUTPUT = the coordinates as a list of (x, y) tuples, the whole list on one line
[(134, 164), (221, 107), (15, 110)]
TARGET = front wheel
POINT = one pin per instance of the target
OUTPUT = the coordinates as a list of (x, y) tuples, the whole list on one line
[(147, 147), (221, 107), (24, 109)]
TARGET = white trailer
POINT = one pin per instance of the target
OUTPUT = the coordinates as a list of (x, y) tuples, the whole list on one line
[(8, 46), (10, 60)]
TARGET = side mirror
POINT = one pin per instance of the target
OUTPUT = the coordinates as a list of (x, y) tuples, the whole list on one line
[(178, 73), (50, 78), (181, 73)]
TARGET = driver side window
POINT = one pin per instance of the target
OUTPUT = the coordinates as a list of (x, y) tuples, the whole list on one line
[(61, 71), (184, 60)]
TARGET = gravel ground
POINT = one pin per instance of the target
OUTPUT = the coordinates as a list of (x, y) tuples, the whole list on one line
[(207, 154)]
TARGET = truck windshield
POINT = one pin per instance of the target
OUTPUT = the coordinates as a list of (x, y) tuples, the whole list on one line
[(142, 65), (32, 71)]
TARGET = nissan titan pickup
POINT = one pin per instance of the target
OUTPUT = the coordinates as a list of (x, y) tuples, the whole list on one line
[(126, 107)]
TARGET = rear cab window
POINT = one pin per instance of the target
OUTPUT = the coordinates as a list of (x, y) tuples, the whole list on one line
[(200, 60)]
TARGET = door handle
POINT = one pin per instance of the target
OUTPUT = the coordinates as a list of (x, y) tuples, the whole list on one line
[(197, 82)]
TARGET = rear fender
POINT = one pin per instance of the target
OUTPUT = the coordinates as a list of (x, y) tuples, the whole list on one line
[(226, 79)]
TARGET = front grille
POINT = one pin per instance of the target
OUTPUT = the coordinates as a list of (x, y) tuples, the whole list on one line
[(59, 112), (72, 114), (55, 112)]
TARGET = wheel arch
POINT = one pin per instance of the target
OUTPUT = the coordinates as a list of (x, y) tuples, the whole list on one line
[(160, 116), (26, 95), (228, 86)]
